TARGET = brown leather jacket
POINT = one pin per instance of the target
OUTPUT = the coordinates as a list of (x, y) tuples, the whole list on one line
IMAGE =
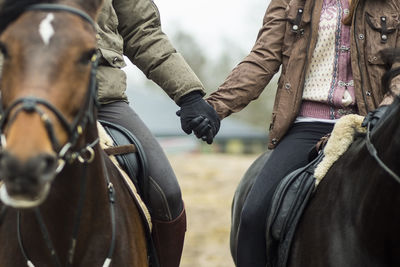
[(288, 38)]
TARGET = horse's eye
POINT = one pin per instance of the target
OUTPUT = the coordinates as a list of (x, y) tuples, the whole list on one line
[(86, 57), (4, 50)]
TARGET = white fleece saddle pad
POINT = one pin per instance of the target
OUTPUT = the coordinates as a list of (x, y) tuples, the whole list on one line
[(341, 138)]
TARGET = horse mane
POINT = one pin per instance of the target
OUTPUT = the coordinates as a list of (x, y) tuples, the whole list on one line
[(10, 10)]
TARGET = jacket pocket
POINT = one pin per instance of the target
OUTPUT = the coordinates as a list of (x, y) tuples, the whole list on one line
[(296, 25), (381, 30), (381, 33), (111, 58)]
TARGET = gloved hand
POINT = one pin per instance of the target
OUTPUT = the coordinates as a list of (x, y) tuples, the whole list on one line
[(373, 117), (198, 116)]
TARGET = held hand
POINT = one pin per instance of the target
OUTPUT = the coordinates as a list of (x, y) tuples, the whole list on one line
[(373, 117), (198, 116)]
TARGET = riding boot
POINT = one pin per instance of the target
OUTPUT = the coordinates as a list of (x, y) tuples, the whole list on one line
[(168, 237)]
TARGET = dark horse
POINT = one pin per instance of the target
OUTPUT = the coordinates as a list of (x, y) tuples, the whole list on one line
[(66, 203), (353, 217)]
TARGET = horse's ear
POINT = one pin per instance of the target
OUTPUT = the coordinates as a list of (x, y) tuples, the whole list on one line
[(92, 7)]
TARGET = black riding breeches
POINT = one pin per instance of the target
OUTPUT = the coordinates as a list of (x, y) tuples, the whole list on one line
[(165, 200), (290, 154)]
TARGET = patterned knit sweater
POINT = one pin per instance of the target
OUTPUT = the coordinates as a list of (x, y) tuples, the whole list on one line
[(329, 90)]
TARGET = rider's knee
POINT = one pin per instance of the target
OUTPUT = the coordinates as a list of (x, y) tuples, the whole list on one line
[(166, 200)]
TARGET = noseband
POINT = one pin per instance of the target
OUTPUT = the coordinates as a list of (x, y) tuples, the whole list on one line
[(32, 104)]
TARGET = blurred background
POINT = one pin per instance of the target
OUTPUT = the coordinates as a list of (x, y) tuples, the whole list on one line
[(213, 36)]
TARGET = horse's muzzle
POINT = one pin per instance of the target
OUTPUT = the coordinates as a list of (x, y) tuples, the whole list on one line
[(26, 183)]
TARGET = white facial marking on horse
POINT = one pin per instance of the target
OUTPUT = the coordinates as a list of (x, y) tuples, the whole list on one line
[(46, 30)]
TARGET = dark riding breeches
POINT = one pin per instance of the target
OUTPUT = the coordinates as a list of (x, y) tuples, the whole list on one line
[(165, 200), (290, 154)]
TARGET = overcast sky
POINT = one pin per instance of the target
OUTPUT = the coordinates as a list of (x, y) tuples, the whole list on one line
[(212, 23)]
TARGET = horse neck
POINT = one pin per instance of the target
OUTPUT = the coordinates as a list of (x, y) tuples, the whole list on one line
[(386, 139), (373, 193)]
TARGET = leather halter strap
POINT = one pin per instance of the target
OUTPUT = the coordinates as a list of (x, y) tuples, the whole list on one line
[(58, 7)]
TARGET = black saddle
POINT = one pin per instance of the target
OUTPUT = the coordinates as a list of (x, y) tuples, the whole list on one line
[(289, 201), (133, 162)]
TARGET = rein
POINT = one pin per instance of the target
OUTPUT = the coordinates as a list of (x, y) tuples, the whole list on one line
[(65, 153), (374, 153)]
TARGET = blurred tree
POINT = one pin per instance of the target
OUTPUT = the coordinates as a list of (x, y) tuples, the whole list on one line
[(212, 69), (191, 51)]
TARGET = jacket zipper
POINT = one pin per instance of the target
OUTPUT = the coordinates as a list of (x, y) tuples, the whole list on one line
[(358, 56)]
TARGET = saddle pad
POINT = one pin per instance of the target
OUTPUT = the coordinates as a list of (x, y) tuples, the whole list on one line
[(107, 142), (341, 138)]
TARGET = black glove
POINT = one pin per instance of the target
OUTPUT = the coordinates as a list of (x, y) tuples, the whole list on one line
[(198, 116), (373, 116)]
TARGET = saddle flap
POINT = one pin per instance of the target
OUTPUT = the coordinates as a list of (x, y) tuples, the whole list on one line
[(290, 199), (129, 154)]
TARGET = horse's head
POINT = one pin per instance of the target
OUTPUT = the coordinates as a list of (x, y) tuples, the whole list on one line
[(47, 86)]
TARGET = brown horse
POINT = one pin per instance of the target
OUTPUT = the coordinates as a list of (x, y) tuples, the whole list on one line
[(66, 204)]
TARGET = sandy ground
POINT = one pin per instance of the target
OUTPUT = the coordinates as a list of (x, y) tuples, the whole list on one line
[(208, 182)]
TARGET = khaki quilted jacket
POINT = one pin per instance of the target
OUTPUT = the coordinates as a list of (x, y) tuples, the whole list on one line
[(288, 38), (132, 28)]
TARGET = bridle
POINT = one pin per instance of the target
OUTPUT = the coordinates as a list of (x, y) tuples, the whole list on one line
[(85, 115), (67, 153), (374, 153)]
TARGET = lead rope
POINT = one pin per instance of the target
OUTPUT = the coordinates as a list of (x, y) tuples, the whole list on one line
[(374, 153)]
